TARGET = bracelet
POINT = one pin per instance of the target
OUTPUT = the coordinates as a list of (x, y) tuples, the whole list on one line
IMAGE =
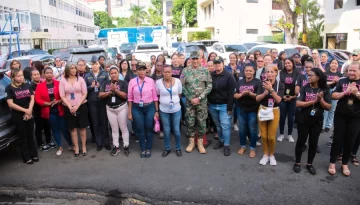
[(270, 91)]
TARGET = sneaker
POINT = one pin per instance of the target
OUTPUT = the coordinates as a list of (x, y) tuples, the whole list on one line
[(227, 151), (258, 144), (218, 145), (44, 148), (161, 135), (59, 152), (52, 145), (264, 160), (126, 151), (297, 168), (114, 151), (290, 138), (236, 128), (280, 138), (311, 169), (272, 160)]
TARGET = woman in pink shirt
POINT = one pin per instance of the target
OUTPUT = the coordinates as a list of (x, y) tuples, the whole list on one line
[(143, 107), (73, 92)]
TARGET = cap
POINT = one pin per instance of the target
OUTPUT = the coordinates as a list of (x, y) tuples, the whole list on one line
[(140, 65), (94, 59), (194, 54), (218, 59)]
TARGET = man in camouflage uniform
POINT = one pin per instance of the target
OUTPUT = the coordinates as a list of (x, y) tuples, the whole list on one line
[(197, 84)]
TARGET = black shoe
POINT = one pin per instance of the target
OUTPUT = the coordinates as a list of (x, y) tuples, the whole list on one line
[(148, 154), (219, 145), (318, 150), (114, 151), (178, 153), (126, 151), (99, 148), (311, 169), (36, 159), (143, 154), (44, 148), (304, 148), (297, 168), (327, 129), (166, 153), (108, 147), (227, 151), (52, 145), (30, 162), (76, 155), (84, 154)]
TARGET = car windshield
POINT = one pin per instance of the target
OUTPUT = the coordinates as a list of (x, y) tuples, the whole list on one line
[(147, 46), (175, 44), (290, 51), (191, 48), (126, 47), (85, 56), (235, 48)]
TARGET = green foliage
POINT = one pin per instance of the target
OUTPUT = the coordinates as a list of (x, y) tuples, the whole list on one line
[(155, 14), (103, 20), (281, 23), (190, 7), (138, 15), (51, 50), (314, 36), (200, 35), (279, 37), (123, 22)]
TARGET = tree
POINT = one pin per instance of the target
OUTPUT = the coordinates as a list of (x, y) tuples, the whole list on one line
[(123, 22), (315, 39), (310, 11), (102, 19), (190, 8), (289, 23), (138, 14), (155, 14)]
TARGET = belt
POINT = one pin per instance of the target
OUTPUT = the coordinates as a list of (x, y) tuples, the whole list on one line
[(261, 106), (116, 106), (144, 104)]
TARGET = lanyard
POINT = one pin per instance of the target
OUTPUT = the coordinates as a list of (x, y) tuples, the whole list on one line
[(306, 77), (140, 88), (59, 71), (169, 90)]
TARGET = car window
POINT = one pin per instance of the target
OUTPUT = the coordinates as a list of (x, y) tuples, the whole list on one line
[(147, 46), (235, 48), (85, 56), (261, 49), (175, 44), (4, 81), (290, 51)]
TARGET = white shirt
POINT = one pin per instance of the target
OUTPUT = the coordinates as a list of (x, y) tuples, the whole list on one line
[(56, 72), (165, 96)]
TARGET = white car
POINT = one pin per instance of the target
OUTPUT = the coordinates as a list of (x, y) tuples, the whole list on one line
[(173, 47), (288, 48), (225, 49), (144, 51)]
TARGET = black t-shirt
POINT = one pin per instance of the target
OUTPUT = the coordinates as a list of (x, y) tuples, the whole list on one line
[(301, 81), (308, 94), (121, 85), (50, 88), (289, 80), (156, 77), (21, 96), (37, 108), (330, 77), (247, 103), (299, 68), (176, 72), (349, 104), (269, 100)]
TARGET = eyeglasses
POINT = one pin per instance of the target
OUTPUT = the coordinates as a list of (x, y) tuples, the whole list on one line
[(195, 58), (133, 64)]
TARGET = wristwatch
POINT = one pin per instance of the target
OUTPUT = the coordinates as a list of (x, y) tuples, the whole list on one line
[(272, 90), (199, 98)]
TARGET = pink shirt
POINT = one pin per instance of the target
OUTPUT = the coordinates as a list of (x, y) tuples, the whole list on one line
[(78, 88), (148, 92)]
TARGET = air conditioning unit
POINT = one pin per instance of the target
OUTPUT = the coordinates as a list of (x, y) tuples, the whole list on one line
[(46, 30)]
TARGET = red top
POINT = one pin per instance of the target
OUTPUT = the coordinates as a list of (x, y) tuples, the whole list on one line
[(42, 96)]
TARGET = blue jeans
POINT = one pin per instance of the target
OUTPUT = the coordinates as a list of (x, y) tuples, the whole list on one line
[(287, 109), (171, 121), (248, 126), (222, 121), (144, 118), (329, 115), (58, 126), (183, 106)]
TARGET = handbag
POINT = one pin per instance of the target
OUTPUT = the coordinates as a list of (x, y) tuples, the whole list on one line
[(266, 114), (156, 125)]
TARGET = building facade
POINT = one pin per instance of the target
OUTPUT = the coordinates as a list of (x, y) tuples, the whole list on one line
[(341, 26), (236, 21), (47, 24)]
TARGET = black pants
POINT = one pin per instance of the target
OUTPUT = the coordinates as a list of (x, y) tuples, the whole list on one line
[(356, 145), (25, 131), (40, 125), (99, 121), (311, 127), (346, 129), (93, 138)]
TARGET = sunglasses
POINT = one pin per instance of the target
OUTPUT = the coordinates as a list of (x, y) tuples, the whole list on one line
[(195, 58)]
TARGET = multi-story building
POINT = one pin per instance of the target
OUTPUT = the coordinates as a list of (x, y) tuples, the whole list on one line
[(341, 26), (48, 24), (238, 21)]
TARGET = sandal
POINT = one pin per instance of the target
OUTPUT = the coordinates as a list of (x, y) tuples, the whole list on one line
[(345, 172), (354, 160), (332, 171), (252, 154)]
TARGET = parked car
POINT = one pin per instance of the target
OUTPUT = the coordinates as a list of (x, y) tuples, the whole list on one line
[(63, 53), (173, 47), (7, 129), (144, 51), (207, 43), (332, 55), (126, 50), (15, 54), (187, 48), (27, 60), (288, 48), (86, 54), (344, 53), (225, 49)]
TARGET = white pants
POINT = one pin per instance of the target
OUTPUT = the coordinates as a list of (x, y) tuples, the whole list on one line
[(118, 118)]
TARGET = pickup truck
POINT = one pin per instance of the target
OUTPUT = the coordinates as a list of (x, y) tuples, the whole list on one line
[(143, 52)]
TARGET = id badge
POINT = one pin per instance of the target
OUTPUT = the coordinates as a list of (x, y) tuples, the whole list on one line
[(312, 113), (96, 89), (113, 99), (350, 101), (141, 103), (72, 96), (171, 104), (270, 102), (287, 92)]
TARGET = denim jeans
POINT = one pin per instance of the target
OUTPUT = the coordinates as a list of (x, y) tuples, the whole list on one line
[(287, 109), (329, 115), (248, 126), (183, 106), (222, 121), (144, 118), (58, 126), (171, 121)]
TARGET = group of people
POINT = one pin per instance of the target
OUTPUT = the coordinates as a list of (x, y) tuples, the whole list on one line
[(255, 92)]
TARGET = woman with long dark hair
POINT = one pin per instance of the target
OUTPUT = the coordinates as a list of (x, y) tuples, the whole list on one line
[(14, 64), (314, 98), (212, 56), (124, 67), (281, 63)]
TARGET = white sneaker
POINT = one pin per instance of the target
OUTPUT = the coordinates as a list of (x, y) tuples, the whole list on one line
[(272, 160), (59, 152), (236, 128), (280, 138), (290, 138), (264, 160), (258, 144)]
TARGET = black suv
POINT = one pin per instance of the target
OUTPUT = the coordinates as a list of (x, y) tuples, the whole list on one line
[(7, 129)]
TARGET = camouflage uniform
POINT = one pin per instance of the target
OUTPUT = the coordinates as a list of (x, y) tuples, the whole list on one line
[(196, 83)]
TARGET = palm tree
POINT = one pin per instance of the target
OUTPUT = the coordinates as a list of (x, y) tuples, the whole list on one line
[(138, 14), (306, 7)]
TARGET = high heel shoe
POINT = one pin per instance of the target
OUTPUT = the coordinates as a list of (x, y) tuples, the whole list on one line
[(345, 172)]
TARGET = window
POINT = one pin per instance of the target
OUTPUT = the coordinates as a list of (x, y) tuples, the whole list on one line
[(209, 10), (252, 1), (338, 4), (252, 31)]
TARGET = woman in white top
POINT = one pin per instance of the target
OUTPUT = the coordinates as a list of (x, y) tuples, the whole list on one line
[(169, 89)]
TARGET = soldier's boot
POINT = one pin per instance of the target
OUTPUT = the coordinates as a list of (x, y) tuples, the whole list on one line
[(191, 145), (201, 146)]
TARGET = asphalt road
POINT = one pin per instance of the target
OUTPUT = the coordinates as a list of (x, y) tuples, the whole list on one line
[(208, 179)]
